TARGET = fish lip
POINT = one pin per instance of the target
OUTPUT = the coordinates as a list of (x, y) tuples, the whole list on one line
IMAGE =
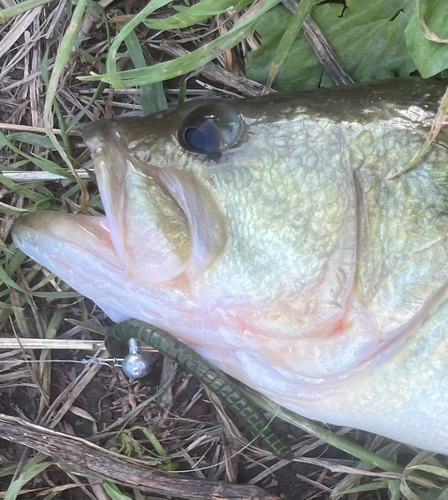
[(19, 225), (97, 133), (90, 234), (93, 133), (122, 178)]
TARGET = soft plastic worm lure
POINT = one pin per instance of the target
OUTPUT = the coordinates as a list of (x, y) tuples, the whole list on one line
[(210, 376)]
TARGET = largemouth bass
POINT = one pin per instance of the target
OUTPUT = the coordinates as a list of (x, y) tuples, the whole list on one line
[(272, 236)]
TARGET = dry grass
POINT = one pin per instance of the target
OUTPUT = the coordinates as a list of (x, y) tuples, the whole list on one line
[(178, 428)]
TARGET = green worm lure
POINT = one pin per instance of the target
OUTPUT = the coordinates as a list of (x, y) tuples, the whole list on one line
[(210, 376)]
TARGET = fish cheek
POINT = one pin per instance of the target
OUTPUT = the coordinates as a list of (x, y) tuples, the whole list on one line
[(207, 224), (288, 266)]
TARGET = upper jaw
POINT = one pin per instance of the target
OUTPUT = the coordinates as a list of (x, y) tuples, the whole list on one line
[(148, 228)]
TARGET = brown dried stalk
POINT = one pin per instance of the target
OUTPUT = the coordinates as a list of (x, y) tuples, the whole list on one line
[(128, 472)]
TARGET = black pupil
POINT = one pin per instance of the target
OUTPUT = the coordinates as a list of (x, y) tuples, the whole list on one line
[(203, 138)]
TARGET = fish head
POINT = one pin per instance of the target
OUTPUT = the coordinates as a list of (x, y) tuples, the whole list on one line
[(224, 200), (221, 213)]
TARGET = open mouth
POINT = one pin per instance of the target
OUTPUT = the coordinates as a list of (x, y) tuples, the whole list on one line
[(159, 222), (163, 221)]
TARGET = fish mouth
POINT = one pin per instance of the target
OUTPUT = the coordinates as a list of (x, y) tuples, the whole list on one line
[(163, 221), (159, 222)]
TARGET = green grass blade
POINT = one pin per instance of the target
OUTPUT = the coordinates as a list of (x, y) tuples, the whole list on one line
[(42, 163), (56, 295), (329, 437), (49, 166), (288, 38), (56, 106), (27, 193), (153, 96), (63, 55), (20, 8), (188, 16), (153, 440), (111, 65), (17, 259), (8, 281), (438, 471), (13, 166), (100, 89), (113, 491), (375, 485), (190, 62), (97, 11), (91, 327), (34, 467), (32, 139)]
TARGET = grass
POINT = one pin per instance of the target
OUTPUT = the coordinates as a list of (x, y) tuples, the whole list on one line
[(67, 63)]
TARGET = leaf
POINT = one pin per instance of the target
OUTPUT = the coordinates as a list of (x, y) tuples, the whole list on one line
[(316, 430), (111, 63), (429, 34), (56, 295), (430, 57), (408, 493), (96, 9), (374, 485), (438, 471), (63, 55), (300, 71), (80, 412), (42, 163), (13, 166), (368, 38), (102, 330), (20, 8), (10, 210), (394, 490), (153, 440), (99, 90), (8, 281), (285, 44)]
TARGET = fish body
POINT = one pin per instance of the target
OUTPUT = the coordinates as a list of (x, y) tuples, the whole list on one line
[(272, 236)]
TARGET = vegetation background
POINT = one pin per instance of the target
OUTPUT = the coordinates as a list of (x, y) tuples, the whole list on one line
[(64, 63)]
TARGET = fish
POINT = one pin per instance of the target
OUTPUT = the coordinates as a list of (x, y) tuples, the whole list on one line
[(280, 238)]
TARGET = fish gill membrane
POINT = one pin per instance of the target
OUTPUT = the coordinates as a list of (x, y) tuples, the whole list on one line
[(268, 235)]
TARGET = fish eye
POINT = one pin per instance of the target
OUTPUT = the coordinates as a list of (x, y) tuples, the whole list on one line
[(210, 129)]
